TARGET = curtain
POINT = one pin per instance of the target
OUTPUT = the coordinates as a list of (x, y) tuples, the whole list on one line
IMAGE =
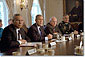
[(30, 3), (43, 8), (4, 13), (10, 7)]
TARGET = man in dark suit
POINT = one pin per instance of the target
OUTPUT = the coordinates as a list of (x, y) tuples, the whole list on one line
[(13, 35), (51, 27), (36, 31), (65, 26)]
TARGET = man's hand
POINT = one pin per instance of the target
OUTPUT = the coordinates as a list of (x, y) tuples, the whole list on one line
[(50, 36), (55, 33), (23, 41), (75, 32)]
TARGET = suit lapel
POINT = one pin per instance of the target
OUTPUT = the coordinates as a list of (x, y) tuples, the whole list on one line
[(15, 34), (13, 29), (37, 30)]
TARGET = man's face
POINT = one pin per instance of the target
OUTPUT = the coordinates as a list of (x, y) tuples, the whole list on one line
[(53, 22), (39, 21), (77, 3), (1, 24), (18, 22), (10, 22), (66, 19)]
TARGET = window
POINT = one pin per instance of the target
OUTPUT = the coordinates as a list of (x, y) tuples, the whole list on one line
[(3, 13), (1, 10), (35, 10)]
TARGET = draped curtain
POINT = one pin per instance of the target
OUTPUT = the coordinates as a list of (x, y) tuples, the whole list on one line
[(10, 4), (10, 7), (4, 13), (41, 2), (30, 3), (43, 8)]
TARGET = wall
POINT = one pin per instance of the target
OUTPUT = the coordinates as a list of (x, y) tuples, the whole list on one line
[(54, 8)]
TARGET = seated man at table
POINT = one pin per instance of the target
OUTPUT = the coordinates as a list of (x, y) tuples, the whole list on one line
[(36, 31), (52, 27), (65, 26), (13, 35)]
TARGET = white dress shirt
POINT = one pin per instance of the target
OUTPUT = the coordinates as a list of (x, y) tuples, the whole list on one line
[(18, 36), (39, 29)]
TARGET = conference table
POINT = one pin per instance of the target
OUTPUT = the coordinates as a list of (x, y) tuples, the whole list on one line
[(63, 48)]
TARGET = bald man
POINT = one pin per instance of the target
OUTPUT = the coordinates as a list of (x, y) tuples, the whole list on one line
[(52, 27)]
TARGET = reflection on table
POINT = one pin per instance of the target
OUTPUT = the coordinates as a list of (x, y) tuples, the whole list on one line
[(54, 47)]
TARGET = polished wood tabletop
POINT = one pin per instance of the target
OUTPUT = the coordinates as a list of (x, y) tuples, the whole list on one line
[(66, 48)]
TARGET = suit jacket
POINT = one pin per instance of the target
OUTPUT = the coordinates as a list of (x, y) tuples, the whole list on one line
[(9, 37), (34, 34), (50, 30), (65, 28)]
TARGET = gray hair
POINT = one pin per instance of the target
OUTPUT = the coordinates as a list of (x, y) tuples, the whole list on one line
[(15, 16), (65, 16), (51, 18)]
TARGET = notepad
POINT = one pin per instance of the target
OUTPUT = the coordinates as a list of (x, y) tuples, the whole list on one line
[(31, 51), (53, 43), (60, 40), (31, 44)]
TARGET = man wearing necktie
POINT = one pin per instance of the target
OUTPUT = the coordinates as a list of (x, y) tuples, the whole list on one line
[(10, 37), (39, 30), (52, 27), (36, 31)]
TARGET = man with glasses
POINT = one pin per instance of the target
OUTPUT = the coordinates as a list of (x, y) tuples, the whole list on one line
[(52, 27)]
